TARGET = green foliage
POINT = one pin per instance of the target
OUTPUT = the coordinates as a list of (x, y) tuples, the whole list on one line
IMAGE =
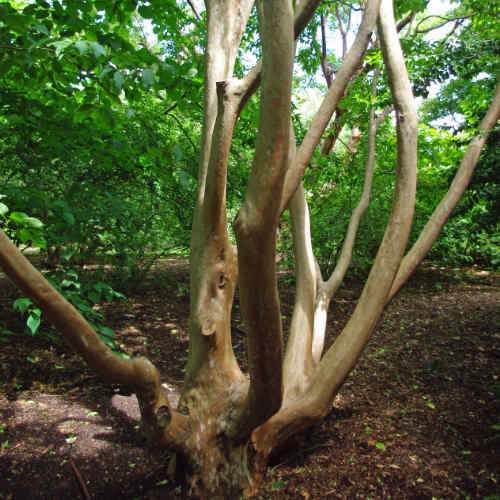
[(22, 228), (100, 118), (86, 296)]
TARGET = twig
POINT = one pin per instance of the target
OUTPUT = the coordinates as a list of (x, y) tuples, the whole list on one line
[(184, 131), (405, 21), (325, 66), (446, 20), (171, 108), (81, 482), (193, 8)]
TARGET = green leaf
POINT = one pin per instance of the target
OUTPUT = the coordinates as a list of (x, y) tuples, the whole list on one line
[(18, 217), (118, 80), (178, 152), (82, 46), (69, 218), (109, 342), (148, 77), (380, 446), (70, 284), (33, 322), (97, 49), (107, 332), (25, 235), (34, 222), (61, 45), (67, 253), (39, 243), (42, 29), (278, 484), (94, 297), (22, 304)]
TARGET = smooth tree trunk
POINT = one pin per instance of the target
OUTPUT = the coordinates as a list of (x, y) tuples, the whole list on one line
[(227, 423)]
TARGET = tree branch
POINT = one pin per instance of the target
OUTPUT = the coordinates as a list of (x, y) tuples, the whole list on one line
[(325, 66), (298, 366), (213, 261), (303, 15), (257, 220), (139, 374), (329, 104), (405, 21), (342, 356), (335, 280), (442, 212), (446, 20), (337, 125), (333, 133), (194, 9), (343, 32)]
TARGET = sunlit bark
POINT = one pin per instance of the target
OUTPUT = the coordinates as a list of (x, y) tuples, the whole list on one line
[(213, 259)]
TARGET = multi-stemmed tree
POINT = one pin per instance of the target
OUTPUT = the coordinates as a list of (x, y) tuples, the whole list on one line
[(224, 423)]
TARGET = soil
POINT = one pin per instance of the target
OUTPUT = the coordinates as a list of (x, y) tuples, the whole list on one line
[(418, 418)]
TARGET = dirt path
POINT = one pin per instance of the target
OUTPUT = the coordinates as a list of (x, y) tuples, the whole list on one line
[(417, 419)]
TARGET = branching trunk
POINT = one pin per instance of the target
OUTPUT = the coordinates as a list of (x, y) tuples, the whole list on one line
[(227, 424), (335, 280), (213, 259), (342, 356)]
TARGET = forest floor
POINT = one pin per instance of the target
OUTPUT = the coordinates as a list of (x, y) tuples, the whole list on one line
[(418, 418)]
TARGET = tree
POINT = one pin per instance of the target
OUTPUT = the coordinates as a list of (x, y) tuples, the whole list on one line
[(227, 423)]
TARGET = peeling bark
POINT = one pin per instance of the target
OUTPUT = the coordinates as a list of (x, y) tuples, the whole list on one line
[(228, 424)]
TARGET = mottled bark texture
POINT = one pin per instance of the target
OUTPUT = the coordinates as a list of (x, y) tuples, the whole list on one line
[(227, 423)]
